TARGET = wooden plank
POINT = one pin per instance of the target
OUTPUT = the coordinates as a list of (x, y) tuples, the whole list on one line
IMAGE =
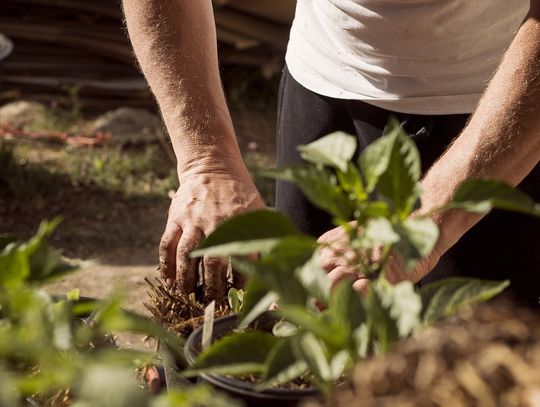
[(105, 8), (238, 41), (264, 31), (112, 49), (279, 11)]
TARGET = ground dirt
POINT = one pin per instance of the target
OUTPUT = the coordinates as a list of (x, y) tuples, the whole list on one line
[(115, 230)]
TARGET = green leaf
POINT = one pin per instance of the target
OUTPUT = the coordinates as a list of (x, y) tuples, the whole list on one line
[(110, 386), (14, 265), (273, 277), (362, 340), (236, 299), (418, 237), (379, 232), (403, 304), (73, 295), (373, 209), (282, 366), (239, 248), (334, 150), (339, 364), (110, 317), (351, 182), (7, 239), (483, 195), (284, 329), (237, 353), (194, 396), (319, 186), (9, 396), (392, 166), (306, 321), (312, 351), (382, 326), (290, 252), (375, 159), (275, 271), (347, 312), (258, 227), (259, 308), (314, 279), (445, 297)]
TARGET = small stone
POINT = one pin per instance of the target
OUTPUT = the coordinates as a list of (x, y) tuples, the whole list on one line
[(129, 126), (23, 114)]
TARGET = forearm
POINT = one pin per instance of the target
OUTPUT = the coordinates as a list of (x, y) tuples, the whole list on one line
[(502, 139), (175, 44)]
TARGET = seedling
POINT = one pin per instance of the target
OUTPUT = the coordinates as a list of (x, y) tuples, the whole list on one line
[(326, 331)]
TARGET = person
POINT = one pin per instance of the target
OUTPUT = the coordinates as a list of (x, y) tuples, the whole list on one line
[(463, 78)]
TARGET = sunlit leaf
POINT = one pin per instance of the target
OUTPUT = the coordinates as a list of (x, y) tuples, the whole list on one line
[(247, 233), (300, 317), (379, 232), (110, 386), (403, 304), (334, 150), (391, 165), (339, 364), (236, 299), (237, 248), (351, 182), (444, 297), (418, 237), (314, 279), (284, 329), (483, 195), (312, 351), (319, 186)]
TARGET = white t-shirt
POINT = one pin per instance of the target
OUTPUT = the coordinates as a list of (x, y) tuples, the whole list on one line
[(410, 56)]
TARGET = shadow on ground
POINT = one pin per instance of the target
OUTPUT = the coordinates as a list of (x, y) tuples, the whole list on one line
[(98, 223)]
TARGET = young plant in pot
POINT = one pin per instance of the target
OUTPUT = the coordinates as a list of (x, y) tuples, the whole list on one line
[(318, 333)]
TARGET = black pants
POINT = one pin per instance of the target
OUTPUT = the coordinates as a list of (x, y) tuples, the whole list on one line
[(503, 245)]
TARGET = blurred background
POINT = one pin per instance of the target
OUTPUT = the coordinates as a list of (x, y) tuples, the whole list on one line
[(81, 136)]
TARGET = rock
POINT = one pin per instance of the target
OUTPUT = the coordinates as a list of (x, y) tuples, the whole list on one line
[(129, 126), (22, 114)]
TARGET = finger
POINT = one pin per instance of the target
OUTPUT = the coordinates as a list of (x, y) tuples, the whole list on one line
[(167, 251), (341, 273), (329, 261), (215, 278), (186, 267), (361, 285)]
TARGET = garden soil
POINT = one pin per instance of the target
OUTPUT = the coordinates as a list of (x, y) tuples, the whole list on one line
[(116, 236)]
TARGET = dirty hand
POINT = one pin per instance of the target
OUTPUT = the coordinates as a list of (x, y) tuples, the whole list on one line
[(206, 197)]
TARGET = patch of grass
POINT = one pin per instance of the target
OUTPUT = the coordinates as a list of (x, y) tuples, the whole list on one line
[(30, 168)]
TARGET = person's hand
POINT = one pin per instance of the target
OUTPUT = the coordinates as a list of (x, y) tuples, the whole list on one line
[(206, 197), (338, 259)]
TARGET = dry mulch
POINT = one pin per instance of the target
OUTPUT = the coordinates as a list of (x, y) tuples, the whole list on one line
[(488, 355)]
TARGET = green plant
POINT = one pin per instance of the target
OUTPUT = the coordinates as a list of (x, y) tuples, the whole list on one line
[(49, 354), (323, 330)]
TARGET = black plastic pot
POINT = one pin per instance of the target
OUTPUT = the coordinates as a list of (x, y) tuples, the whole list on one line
[(241, 389)]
